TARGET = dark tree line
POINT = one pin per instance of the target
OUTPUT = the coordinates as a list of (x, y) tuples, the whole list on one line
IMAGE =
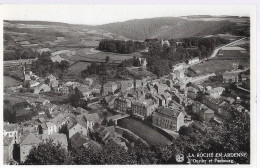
[(20, 54), (44, 66), (122, 47), (10, 112)]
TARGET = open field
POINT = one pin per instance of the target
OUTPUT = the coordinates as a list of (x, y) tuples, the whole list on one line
[(140, 73), (101, 57), (150, 135), (9, 81), (218, 66), (244, 41), (76, 68)]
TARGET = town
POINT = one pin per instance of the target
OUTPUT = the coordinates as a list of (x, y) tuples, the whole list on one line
[(143, 105)]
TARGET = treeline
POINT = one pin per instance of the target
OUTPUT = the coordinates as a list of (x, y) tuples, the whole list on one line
[(122, 47), (44, 66), (11, 111), (20, 54)]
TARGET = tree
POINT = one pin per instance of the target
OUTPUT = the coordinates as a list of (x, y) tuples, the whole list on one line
[(49, 154), (107, 59), (104, 122)]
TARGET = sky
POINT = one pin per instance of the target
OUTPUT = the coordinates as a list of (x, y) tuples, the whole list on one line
[(102, 14)]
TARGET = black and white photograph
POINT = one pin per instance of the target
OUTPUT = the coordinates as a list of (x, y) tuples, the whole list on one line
[(120, 84)]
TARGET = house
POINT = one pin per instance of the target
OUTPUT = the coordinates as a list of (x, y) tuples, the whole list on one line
[(8, 149), (207, 114), (83, 88), (116, 142), (162, 101), (66, 108), (27, 143), (65, 89), (78, 140), (214, 104), (120, 104), (92, 119), (109, 87), (11, 131), (204, 112), (179, 74), (41, 101), (239, 108), (92, 146), (229, 100), (169, 119), (216, 92), (88, 81), (191, 92), (245, 77), (96, 88), (143, 62), (126, 85), (80, 110), (160, 87), (109, 100), (57, 139), (167, 96), (27, 77), (51, 78), (30, 128), (41, 50), (48, 107), (231, 76), (193, 60), (178, 66), (48, 128), (44, 88), (165, 42), (172, 76), (76, 127), (33, 83), (54, 84), (137, 83), (61, 120), (182, 85), (143, 108), (72, 85)]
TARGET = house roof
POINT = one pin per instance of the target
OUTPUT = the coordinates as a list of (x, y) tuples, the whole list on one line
[(57, 138), (107, 130), (92, 145), (49, 105), (169, 112), (110, 84), (41, 119), (30, 139), (8, 141), (10, 127), (208, 111), (217, 89), (78, 140), (92, 117)]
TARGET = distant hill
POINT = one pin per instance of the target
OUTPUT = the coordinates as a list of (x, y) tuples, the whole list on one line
[(161, 27), (172, 27)]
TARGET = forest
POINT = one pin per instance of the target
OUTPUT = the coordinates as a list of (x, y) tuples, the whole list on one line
[(122, 47)]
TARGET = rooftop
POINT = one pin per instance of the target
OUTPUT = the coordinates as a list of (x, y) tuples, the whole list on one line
[(30, 139)]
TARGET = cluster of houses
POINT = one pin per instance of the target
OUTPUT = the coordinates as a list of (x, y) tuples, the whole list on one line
[(63, 125), (163, 102)]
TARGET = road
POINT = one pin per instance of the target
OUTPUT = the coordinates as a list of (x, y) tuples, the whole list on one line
[(215, 52), (217, 49)]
